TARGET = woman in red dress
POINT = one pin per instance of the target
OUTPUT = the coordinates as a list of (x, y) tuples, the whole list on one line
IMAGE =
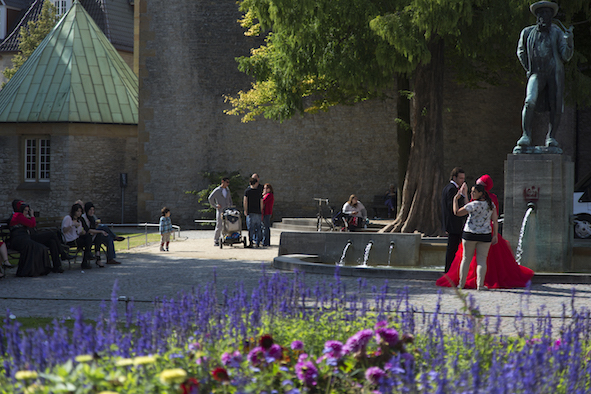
[(503, 272), (34, 257)]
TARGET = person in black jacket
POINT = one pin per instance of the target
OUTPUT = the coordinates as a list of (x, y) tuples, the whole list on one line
[(452, 224)]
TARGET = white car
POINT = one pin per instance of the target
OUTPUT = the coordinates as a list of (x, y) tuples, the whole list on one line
[(582, 214)]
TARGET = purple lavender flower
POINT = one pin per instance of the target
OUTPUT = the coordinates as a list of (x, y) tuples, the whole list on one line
[(358, 342), (375, 375), (306, 371), (232, 359), (302, 357), (297, 345), (194, 346), (387, 336)]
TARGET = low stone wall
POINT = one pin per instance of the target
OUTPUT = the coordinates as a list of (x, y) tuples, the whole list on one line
[(329, 247)]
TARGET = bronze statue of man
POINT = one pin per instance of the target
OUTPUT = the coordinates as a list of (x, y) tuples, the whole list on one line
[(542, 49)]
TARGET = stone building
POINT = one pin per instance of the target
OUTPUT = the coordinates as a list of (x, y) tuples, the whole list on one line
[(68, 124), (186, 66), (113, 17), (185, 51)]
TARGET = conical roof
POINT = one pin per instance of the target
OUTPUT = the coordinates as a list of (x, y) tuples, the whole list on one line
[(74, 75)]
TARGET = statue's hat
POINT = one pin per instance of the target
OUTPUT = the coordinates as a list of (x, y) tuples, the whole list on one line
[(541, 4)]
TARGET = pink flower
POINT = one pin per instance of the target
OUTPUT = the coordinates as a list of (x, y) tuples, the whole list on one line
[(375, 375), (333, 349), (358, 342), (387, 336), (307, 372), (256, 356), (232, 359), (275, 352), (297, 345)]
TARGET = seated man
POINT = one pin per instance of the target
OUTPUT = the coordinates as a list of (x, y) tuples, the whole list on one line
[(100, 236)]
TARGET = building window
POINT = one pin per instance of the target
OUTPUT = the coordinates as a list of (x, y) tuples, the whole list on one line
[(37, 160), (62, 6)]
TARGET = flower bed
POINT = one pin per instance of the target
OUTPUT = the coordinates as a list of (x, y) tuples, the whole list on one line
[(287, 337)]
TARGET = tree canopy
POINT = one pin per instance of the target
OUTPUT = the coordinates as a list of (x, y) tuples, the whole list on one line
[(321, 53), (31, 36)]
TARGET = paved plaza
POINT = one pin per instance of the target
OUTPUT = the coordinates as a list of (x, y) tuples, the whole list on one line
[(193, 261)]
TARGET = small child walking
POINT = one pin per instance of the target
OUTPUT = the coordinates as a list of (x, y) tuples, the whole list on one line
[(165, 228)]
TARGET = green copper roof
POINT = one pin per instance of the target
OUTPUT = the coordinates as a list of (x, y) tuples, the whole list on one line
[(75, 75)]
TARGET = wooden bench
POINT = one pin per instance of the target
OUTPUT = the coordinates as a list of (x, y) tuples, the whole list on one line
[(379, 207)]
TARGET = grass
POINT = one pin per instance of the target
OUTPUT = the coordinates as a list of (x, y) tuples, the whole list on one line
[(135, 240)]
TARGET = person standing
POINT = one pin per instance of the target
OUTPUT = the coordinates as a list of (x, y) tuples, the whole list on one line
[(452, 224), (220, 199), (268, 201), (253, 208), (502, 271), (165, 228), (477, 235)]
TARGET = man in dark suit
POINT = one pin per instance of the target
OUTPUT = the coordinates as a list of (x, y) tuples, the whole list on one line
[(452, 224)]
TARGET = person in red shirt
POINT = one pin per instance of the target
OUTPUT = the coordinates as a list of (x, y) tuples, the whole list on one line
[(268, 201), (34, 257)]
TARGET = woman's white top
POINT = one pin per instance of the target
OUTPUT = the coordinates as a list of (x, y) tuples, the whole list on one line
[(361, 211), (71, 233), (479, 217)]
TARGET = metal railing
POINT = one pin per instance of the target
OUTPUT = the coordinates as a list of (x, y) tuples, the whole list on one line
[(145, 226)]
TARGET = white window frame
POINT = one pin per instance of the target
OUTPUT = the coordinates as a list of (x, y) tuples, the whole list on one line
[(62, 6), (37, 159)]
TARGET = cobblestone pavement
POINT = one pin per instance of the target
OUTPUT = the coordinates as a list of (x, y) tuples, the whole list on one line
[(146, 273)]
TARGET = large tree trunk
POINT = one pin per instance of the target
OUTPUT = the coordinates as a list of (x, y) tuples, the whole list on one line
[(420, 210)]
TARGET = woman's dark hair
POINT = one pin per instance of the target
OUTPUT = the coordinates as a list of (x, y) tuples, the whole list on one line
[(268, 185), (75, 209), (87, 206), (480, 188), (164, 211)]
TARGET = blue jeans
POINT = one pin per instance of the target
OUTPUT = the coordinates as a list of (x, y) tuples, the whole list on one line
[(108, 241), (266, 230), (253, 223)]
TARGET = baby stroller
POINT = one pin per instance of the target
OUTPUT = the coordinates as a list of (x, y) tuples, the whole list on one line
[(231, 228)]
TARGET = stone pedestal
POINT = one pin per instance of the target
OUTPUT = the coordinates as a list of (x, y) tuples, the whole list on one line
[(548, 181)]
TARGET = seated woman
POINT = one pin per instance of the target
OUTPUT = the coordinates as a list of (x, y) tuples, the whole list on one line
[(34, 257), (4, 255), (357, 212), (75, 235), (100, 236)]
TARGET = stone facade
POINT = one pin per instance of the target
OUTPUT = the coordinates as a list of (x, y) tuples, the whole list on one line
[(186, 65), (86, 160)]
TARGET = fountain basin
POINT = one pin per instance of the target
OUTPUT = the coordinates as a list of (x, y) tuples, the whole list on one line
[(313, 264), (328, 246)]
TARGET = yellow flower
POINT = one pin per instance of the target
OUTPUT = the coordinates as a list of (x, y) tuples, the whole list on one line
[(172, 376), (124, 362), (84, 358), (34, 388), (141, 360), (24, 375), (108, 392)]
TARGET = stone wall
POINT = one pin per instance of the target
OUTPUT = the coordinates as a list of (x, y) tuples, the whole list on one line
[(186, 66), (86, 160)]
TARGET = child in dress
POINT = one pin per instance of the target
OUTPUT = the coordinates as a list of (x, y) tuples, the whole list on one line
[(165, 228)]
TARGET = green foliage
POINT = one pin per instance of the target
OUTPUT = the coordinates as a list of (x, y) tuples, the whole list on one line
[(321, 53), (238, 184), (31, 36)]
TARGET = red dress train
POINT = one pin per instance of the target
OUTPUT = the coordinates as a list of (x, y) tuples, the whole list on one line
[(502, 271)]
